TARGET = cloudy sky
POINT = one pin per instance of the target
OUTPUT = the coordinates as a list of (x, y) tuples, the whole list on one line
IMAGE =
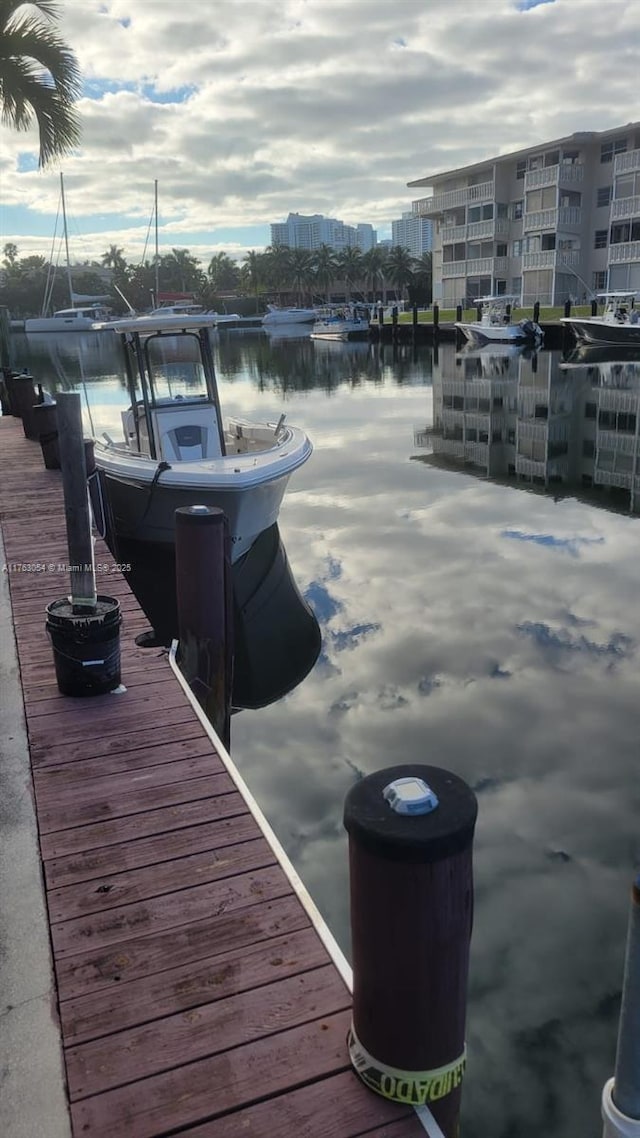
[(246, 109)]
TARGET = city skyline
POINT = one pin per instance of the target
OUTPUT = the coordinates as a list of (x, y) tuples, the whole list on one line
[(316, 111)]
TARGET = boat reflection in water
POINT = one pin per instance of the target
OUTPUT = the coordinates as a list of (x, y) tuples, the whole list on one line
[(535, 420), (276, 635)]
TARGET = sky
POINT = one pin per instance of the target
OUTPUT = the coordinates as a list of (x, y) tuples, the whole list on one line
[(244, 110)]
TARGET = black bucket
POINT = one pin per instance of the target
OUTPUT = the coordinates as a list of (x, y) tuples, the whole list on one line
[(86, 648)]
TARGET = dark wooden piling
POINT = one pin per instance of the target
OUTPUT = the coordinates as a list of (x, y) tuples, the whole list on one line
[(436, 319), (567, 308), (380, 315), (478, 312), (76, 501), (459, 313), (204, 599), (594, 307), (414, 320), (394, 323), (536, 312), (24, 398), (411, 917)]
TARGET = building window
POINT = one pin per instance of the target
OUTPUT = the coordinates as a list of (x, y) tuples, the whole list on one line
[(517, 210), (600, 239), (588, 448), (603, 196), (608, 149), (590, 410), (600, 280), (501, 250), (521, 169)]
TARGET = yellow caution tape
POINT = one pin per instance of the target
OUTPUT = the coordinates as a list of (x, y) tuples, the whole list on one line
[(413, 1087)]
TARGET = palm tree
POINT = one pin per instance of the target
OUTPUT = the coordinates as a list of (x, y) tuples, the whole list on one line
[(423, 275), (39, 76), (400, 267), (350, 265), (374, 263), (278, 266), (301, 269), (325, 265), (223, 273), (113, 258), (10, 252), (253, 266)]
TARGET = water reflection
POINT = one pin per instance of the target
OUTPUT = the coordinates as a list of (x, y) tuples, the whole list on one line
[(492, 632), (539, 422)]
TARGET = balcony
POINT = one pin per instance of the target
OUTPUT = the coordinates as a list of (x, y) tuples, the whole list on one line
[(616, 441), (452, 199), (454, 269), (625, 207), (625, 163), (537, 429), (567, 173), (614, 399), (567, 218), (551, 259), (627, 251), (453, 234), (476, 230)]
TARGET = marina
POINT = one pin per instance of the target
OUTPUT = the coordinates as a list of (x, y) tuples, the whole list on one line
[(539, 646), (194, 989)]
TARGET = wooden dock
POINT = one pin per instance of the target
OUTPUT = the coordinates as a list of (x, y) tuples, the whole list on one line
[(195, 995)]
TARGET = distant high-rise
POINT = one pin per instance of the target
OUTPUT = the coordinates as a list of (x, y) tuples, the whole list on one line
[(413, 233), (310, 231)]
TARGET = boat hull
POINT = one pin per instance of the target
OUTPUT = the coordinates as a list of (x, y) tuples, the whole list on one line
[(598, 332), (60, 324), (497, 334), (139, 511)]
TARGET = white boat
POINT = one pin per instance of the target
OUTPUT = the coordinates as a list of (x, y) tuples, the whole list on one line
[(341, 323), (277, 316), (177, 451), (618, 326), (77, 318), (495, 325), (70, 319)]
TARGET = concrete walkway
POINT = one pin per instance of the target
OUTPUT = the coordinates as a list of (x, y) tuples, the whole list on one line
[(33, 1100)]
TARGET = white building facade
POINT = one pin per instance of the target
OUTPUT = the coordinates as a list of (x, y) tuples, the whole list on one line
[(310, 231), (550, 223), (413, 232)]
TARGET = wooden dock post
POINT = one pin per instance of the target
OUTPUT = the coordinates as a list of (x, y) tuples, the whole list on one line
[(567, 308), (621, 1095), (205, 618), (414, 320), (459, 313), (76, 501), (394, 323), (436, 320), (594, 307), (410, 852), (536, 312), (24, 398)]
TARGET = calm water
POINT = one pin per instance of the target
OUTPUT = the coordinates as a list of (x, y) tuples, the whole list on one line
[(467, 622)]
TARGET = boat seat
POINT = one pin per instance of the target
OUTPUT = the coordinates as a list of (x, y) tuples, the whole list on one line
[(191, 442)]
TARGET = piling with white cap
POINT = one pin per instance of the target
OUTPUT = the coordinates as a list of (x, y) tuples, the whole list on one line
[(410, 856), (621, 1094)]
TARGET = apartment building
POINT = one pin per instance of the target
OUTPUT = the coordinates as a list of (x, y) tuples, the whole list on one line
[(554, 222), (412, 232), (310, 231)]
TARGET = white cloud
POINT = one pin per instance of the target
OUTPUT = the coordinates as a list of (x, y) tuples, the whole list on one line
[(327, 105)]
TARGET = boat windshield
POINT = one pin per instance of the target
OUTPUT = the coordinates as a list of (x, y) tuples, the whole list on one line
[(174, 367)]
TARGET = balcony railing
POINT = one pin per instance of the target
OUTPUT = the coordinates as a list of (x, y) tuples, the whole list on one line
[(625, 207), (537, 430), (550, 259), (565, 172), (626, 162), (566, 217), (453, 199), (480, 229), (453, 234), (454, 269), (476, 230), (613, 399), (626, 251), (616, 441)]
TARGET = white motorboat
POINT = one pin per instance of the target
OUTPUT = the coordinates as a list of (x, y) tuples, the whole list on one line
[(177, 451), (276, 316), (495, 325), (618, 325), (341, 323)]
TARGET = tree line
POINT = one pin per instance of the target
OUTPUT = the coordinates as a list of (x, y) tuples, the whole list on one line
[(280, 274)]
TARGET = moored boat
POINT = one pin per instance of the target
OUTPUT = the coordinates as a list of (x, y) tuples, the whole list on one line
[(177, 451), (345, 322), (617, 326), (276, 316), (495, 324)]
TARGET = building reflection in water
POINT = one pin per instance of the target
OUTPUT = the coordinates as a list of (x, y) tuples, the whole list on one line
[(568, 426)]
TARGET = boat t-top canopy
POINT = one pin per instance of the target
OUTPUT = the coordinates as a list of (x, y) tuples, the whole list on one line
[(501, 299), (623, 294), (146, 325)]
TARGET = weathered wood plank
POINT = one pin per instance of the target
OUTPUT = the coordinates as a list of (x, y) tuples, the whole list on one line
[(76, 724), (126, 742), (168, 911), (106, 893), (47, 779), (206, 1030), (199, 982), (79, 809), (61, 871), (214, 1086), (134, 826), (58, 788), (339, 1106), (98, 969)]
